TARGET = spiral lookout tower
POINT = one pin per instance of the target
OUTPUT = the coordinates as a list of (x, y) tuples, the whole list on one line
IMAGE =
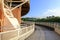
[(11, 12)]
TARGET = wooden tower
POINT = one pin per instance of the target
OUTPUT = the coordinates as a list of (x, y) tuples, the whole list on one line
[(11, 12)]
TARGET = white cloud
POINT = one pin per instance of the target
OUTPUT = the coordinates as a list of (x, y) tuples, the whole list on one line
[(50, 12)]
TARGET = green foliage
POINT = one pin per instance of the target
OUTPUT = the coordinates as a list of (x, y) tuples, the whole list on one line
[(47, 19)]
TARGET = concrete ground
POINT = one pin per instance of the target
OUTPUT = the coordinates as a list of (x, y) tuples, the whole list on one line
[(42, 33)]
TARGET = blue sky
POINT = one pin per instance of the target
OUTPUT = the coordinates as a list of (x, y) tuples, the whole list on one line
[(43, 8)]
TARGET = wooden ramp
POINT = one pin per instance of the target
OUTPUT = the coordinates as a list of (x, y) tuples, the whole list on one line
[(43, 34)]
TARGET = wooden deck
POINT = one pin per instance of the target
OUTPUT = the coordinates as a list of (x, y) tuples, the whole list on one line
[(42, 33)]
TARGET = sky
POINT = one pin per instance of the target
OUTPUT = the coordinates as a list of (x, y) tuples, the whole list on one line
[(44, 8)]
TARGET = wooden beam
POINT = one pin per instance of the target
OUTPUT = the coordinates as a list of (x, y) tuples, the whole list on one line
[(14, 1), (19, 5)]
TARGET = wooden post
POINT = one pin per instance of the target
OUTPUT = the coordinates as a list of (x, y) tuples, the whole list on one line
[(2, 14)]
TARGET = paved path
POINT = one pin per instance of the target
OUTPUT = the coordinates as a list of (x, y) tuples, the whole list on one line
[(42, 33)]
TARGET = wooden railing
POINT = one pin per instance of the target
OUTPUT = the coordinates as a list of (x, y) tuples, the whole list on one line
[(9, 3), (18, 34)]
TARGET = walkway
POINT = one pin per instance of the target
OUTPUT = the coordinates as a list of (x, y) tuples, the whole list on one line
[(42, 33)]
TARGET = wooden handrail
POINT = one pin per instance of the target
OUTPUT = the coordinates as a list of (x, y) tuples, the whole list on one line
[(16, 6), (14, 1), (19, 5), (6, 6)]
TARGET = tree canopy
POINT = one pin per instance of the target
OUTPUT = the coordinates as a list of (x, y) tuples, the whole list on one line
[(47, 19)]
